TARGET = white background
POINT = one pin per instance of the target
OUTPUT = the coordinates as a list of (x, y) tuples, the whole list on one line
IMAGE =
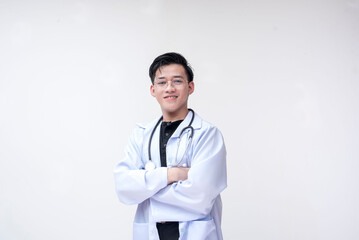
[(279, 78)]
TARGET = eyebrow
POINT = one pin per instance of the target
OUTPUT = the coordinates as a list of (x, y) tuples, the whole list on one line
[(175, 76)]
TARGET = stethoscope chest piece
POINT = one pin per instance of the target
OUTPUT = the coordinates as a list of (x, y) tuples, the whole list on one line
[(149, 166)]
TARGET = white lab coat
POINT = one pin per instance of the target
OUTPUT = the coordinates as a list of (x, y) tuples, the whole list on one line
[(195, 203)]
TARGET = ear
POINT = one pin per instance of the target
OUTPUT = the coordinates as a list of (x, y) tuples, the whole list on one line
[(152, 90), (190, 88)]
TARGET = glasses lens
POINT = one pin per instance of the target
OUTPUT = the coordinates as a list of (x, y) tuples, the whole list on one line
[(164, 84)]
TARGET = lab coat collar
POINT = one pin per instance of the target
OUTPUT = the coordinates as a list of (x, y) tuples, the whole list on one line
[(196, 124)]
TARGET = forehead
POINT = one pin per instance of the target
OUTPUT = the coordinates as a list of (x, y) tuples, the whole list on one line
[(171, 70)]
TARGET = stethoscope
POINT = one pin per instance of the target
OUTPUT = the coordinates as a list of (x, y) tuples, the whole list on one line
[(150, 165)]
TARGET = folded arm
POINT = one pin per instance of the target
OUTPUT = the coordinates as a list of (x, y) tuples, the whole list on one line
[(133, 183), (194, 198)]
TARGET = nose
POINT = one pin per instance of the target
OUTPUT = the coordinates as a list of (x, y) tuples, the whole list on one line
[(169, 86)]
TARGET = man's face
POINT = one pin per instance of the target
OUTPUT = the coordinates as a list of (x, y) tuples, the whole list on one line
[(171, 89)]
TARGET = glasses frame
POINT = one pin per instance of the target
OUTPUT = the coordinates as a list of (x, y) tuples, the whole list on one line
[(179, 83)]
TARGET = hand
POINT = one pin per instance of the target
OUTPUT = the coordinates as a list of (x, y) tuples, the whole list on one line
[(176, 174)]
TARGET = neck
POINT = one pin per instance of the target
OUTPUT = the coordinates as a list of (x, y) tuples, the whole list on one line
[(172, 117)]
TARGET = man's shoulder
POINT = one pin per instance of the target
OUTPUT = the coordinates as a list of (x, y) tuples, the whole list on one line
[(204, 123), (141, 130), (146, 125)]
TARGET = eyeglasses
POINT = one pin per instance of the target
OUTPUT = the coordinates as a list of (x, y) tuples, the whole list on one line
[(164, 84)]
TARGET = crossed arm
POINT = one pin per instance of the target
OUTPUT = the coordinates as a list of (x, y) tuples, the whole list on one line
[(184, 193)]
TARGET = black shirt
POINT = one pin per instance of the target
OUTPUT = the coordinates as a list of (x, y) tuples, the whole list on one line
[(167, 129), (167, 230)]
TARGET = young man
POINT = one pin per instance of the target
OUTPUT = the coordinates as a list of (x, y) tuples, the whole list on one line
[(175, 166)]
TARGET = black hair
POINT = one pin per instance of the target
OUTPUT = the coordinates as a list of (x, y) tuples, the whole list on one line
[(167, 59)]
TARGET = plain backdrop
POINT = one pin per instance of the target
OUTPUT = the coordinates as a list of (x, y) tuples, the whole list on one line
[(279, 78)]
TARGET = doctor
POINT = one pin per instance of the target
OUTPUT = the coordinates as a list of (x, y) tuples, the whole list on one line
[(175, 166)]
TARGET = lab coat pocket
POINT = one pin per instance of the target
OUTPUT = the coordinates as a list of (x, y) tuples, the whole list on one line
[(140, 231), (202, 230)]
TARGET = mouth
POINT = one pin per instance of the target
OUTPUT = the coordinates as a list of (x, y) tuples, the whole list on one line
[(170, 97)]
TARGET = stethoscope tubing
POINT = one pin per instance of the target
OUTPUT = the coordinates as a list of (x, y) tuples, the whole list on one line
[(177, 164), (184, 129), (149, 143)]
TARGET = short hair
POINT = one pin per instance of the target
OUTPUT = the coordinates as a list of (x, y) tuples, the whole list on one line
[(167, 59)]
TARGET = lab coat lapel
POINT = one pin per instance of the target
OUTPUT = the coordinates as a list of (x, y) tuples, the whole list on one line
[(155, 145), (196, 124), (178, 149)]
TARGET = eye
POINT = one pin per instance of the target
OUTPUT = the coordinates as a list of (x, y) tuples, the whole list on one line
[(178, 82), (161, 83)]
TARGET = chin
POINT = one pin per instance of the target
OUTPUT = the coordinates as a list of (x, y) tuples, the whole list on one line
[(169, 110)]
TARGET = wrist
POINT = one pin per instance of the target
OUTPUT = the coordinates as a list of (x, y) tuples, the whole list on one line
[(171, 175)]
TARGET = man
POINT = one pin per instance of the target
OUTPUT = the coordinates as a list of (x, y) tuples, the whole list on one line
[(175, 166)]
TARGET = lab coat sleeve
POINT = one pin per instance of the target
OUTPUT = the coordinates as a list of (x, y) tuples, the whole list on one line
[(134, 184), (194, 198)]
